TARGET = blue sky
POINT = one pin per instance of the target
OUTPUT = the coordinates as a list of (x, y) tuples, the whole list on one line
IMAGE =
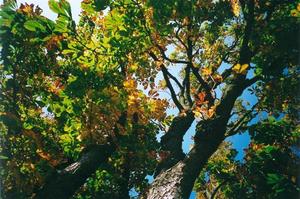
[(239, 142)]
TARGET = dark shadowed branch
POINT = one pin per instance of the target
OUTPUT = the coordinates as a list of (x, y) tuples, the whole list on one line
[(168, 82), (64, 183)]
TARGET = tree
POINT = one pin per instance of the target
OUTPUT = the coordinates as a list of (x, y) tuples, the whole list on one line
[(81, 104), (269, 169)]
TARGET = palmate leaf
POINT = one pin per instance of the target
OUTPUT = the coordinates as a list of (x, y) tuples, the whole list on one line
[(64, 21), (62, 24), (7, 14), (54, 6)]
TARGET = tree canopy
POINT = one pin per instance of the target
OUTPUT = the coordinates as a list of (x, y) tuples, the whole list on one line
[(92, 109)]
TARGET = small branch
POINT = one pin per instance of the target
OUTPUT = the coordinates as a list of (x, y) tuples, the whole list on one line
[(188, 68), (188, 84), (214, 193), (164, 56), (237, 126), (249, 82), (245, 51), (169, 84), (179, 39), (175, 80)]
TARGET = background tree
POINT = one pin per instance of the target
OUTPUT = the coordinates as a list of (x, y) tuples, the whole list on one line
[(81, 107)]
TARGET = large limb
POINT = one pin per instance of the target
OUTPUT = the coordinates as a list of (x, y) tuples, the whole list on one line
[(64, 183), (171, 142)]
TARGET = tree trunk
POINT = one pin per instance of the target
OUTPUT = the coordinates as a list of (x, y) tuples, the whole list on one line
[(178, 181), (171, 142)]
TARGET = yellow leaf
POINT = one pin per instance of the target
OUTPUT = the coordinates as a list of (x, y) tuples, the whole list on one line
[(235, 6), (134, 67), (240, 69), (197, 113), (129, 84), (218, 78), (294, 13), (211, 112), (206, 71)]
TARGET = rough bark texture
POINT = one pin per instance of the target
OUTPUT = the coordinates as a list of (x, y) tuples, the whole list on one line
[(178, 181), (64, 184), (171, 142)]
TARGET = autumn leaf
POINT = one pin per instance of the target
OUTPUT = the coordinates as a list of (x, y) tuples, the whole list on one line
[(211, 112), (240, 69), (197, 112), (235, 6), (206, 71), (26, 9), (200, 99), (218, 78)]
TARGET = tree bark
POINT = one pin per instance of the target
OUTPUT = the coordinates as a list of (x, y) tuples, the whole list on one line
[(63, 184), (178, 181), (171, 142)]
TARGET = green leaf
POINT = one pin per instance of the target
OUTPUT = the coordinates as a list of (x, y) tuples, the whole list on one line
[(33, 25), (273, 178), (272, 119), (55, 7), (2, 157), (62, 24), (101, 4), (61, 7), (66, 6), (27, 126)]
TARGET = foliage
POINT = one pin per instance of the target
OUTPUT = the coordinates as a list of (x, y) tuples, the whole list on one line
[(61, 95), (269, 168), (67, 87)]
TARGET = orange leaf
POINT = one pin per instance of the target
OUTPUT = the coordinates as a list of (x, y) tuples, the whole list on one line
[(201, 97)]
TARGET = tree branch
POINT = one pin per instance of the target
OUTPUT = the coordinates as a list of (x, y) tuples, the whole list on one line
[(188, 70), (64, 183), (169, 84), (245, 53), (187, 85), (171, 141), (164, 56), (175, 79), (214, 193), (237, 126), (179, 39)]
